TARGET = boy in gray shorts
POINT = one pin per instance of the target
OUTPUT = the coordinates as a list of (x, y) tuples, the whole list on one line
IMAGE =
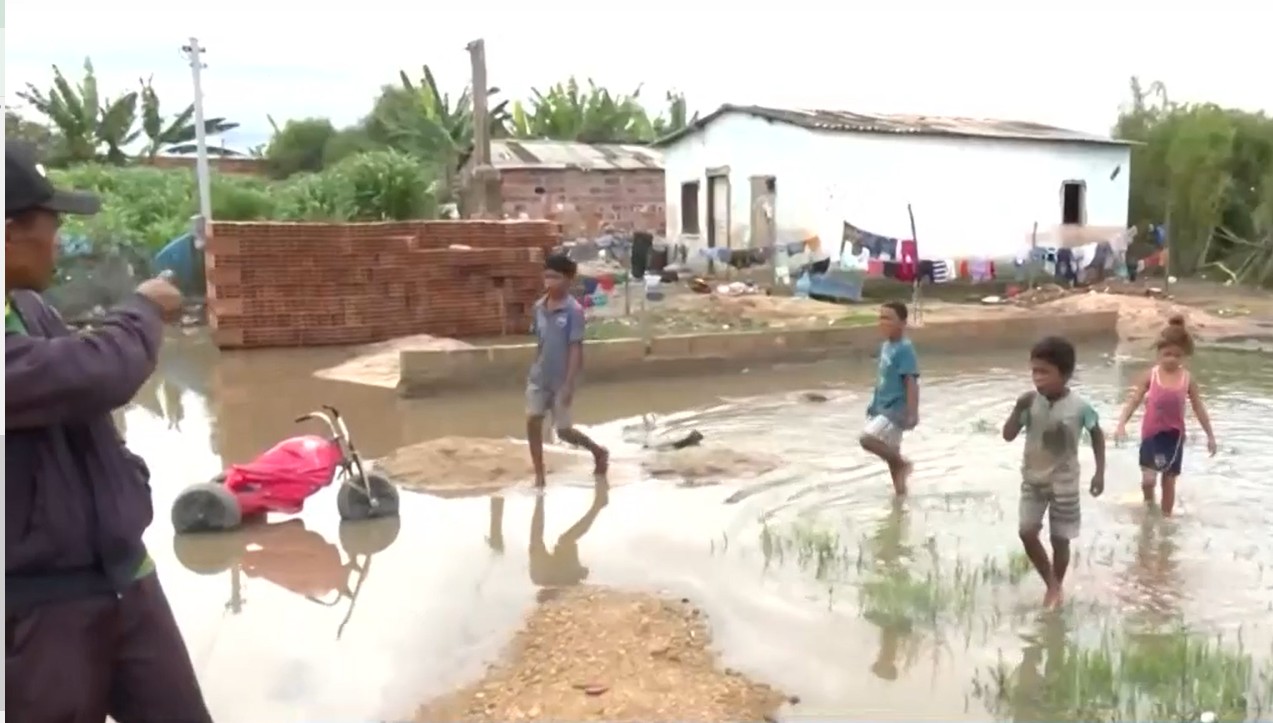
[(550, 388), (1054, 419)]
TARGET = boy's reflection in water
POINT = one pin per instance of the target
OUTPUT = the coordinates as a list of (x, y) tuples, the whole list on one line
[(889, 551), (561, 566)]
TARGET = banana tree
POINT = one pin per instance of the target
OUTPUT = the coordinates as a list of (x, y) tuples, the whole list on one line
[(569, 112), (675, 118), (72, 110), (178, 135)]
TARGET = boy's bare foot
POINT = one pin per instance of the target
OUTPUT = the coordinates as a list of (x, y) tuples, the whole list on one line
[(1052, 598), (601, 462)]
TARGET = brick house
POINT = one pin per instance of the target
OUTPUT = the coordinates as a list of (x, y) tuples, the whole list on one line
[(587, 188)]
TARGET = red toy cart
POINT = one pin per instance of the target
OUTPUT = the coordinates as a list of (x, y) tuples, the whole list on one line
[(283, 477)]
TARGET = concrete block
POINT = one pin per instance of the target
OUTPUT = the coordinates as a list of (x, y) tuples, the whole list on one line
[(613, 354), (679, 345)]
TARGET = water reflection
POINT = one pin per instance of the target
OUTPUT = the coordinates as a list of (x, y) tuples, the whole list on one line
[(561, 567), (1155, 572), (890, 553), (291, 556)]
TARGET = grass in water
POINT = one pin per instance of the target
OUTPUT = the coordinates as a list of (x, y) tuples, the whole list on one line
[(1164, 675)]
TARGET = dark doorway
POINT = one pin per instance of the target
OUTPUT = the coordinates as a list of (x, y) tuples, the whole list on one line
[(1074, 203)]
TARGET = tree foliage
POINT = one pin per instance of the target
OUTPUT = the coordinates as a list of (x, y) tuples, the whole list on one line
[(90, 127), (1205, 172)]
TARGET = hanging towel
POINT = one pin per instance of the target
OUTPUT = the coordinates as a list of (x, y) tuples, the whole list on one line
[(980, 271), (875, 268), (941, 271), (855, 261), (888, 248), (928, 271), (908, 259), (853, 237), (892, 269)]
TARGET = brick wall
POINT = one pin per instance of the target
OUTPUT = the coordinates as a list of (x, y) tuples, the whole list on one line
[(309, 284), (590, 200)]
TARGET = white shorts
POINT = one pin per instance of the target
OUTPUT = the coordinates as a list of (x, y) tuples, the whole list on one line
[(885, 430)]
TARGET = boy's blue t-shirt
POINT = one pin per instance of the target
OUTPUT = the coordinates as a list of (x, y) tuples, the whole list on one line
[(897, 361)]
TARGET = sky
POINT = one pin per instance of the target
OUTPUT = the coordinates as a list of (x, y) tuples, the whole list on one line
[(1066, 64)]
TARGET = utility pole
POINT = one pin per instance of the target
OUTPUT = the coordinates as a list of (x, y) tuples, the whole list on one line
[(485, 180), (195, 53)]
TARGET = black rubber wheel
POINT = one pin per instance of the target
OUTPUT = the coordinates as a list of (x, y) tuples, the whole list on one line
[(210, 553), (207, 507), (354, 505), (369, 536)]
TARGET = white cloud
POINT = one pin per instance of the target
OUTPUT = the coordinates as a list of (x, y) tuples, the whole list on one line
[(1066, 64)]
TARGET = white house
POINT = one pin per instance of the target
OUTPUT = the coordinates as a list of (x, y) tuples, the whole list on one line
[(976, 187)]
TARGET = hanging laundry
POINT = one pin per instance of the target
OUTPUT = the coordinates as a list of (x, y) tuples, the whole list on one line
[(942, 271), (855, 261), (980, 271), (888, 249), (908, 257), (853, 237), (872, 244), (1066, 272), (875, 268), (927, 271), (961, 271), (891, 270)]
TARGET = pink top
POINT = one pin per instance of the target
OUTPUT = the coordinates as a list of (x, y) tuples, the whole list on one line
[(1164, 406)]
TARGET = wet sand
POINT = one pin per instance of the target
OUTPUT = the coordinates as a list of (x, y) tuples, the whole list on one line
[(591, 653), (813, 582)]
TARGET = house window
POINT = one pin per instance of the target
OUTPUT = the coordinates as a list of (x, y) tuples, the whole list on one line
[(1074, 203), (689, 208)]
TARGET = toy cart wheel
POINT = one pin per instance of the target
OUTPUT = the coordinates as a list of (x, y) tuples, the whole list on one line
[(353, 504), (207, 507), (369, 537)]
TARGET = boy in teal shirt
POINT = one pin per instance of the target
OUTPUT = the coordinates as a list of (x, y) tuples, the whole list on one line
[(894, 407)]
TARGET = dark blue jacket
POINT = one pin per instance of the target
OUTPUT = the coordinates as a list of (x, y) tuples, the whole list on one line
[(76, 500)]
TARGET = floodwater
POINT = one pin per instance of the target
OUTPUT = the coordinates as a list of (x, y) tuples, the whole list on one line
[(813, 579)]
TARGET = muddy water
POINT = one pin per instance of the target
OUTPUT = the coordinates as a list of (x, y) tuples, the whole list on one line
[(787, 565)]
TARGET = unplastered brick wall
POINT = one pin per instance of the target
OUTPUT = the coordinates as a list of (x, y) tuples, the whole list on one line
[(586, 203), (310, 284)]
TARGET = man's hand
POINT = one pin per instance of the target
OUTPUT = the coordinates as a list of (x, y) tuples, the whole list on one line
[(166, 296), (1098, 484)]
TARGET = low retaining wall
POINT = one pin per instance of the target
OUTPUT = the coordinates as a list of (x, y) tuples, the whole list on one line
[(426, 373)]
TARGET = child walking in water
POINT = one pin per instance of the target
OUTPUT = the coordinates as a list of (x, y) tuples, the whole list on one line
[(554, 375), (894, 407), (1054, 419), (1165, 389)]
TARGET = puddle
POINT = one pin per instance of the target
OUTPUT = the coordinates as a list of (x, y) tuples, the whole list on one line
[(812, 578)]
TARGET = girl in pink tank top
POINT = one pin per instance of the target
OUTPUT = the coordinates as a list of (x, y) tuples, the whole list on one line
[(1166, 390)]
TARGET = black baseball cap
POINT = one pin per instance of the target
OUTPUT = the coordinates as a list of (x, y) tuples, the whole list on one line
[(26, 186)]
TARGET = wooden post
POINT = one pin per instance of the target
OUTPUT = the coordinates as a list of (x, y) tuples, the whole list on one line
[(916, 301), (484, 179), (1034, 243)]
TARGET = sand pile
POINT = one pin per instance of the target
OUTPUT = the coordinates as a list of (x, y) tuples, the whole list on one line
[(377, 364), (699, 466), (590, 654), (773, 311), (463, 466), (1142, 317)]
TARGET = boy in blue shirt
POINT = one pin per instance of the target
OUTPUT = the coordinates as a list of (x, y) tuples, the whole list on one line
[(550, 388), (894, 407)]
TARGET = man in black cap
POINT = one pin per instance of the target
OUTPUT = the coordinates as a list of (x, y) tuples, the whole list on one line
[(88, 630)]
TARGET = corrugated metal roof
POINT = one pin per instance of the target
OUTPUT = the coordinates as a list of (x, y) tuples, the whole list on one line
[(849, 122), (510, 153)]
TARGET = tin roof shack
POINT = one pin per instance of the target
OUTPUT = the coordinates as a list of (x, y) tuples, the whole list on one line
[(749, 175), (587, 188)]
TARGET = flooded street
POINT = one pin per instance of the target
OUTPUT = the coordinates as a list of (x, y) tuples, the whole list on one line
[(813, 579)]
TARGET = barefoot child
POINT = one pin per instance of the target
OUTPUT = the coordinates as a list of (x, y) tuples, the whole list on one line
[(894, 406), (558, 326), (1164, 389), (1054, 419)]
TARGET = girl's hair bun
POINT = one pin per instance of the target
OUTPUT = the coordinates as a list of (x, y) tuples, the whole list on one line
[(1176, 320)]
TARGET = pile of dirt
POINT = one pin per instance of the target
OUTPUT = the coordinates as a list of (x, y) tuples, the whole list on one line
[(593, 654), (772, 311), (465, 466), (700, 466), (377, 365), (1142, 317)]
